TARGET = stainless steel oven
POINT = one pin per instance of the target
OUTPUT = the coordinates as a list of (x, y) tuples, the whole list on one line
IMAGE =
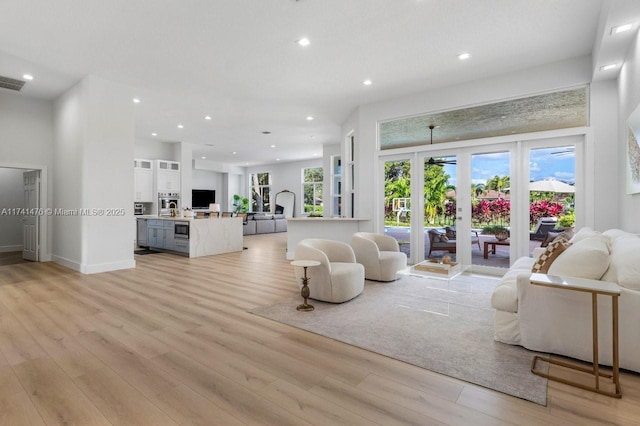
[(168, 203), (138, 209), (181, 230)]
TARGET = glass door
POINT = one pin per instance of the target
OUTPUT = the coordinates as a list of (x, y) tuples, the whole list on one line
[(552, 178), (440, 207), (491, 209), (397, 202)]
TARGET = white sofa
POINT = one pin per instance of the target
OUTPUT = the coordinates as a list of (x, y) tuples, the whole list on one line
[(559, 321), (379, 254)]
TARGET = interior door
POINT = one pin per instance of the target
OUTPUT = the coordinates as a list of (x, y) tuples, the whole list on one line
[(30, 227)]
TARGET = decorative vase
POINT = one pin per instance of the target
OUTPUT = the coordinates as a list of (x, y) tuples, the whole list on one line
[(502, 235)]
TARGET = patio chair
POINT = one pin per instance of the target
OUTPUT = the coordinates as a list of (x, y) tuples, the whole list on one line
[(438, 241), (544, 225), (450, 232)]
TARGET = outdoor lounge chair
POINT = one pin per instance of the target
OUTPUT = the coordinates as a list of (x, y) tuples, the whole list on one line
[(450, 232), (438, 241), (544, 225)]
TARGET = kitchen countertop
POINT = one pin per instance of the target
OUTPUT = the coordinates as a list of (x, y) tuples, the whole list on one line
[(150, 216)]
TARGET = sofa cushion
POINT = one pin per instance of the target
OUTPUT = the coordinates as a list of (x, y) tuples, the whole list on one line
[(553, 251), (587, 258), (624, 265)]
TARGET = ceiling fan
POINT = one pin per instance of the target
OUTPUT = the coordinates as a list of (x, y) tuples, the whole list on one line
[(436, 161)]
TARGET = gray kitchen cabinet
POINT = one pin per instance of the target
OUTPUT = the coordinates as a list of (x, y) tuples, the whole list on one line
[(168, 235), (181, 245), (155, 233), (142, 233)]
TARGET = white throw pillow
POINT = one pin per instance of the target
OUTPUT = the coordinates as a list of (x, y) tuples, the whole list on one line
[(583, 233), (624, 267), (586, 258)]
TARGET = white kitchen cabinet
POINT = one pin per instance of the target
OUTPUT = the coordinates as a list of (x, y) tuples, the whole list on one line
[(143, 181), (168, 176)]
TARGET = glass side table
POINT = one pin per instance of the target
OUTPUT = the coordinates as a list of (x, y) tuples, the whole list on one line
[(304, 292)]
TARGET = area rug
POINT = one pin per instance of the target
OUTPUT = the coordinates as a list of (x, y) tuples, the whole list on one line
[(442, 326)]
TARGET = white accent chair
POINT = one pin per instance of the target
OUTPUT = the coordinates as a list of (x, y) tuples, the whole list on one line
[(338, 278), (379, 254)]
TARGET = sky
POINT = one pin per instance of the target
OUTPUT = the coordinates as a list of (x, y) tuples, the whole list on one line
[(546, 163)]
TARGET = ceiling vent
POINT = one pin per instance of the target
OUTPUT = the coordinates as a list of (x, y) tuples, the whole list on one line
[(11, 83)]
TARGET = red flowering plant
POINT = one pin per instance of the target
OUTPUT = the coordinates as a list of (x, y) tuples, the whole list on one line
[(543, 208)]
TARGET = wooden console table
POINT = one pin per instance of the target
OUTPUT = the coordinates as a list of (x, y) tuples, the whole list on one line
[(594, 287)]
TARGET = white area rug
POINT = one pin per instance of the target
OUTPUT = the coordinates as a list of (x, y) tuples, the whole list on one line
[(446, 327)]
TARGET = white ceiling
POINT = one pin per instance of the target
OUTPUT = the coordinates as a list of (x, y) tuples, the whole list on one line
[(238, 60)]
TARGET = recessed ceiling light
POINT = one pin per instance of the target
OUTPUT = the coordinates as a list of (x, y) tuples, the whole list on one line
[(234, 152), (277, 159), (207, 117), (204, 158), (180, 126), (27, 77), (464, 56), (273, 146), (303, 42), (154, 134), (309, 118), (621, 28), (136, 100), (367, 82), (608, 67)]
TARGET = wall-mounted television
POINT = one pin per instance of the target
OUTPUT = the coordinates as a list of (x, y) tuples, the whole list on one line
[(201, 198)]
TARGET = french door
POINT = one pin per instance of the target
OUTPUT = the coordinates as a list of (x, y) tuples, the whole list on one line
[(470, 193)]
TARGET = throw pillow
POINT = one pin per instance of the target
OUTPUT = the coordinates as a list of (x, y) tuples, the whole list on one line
[(588, 258), (546, 259)]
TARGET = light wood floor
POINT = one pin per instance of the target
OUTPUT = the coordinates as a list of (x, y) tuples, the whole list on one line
[(171, 342)]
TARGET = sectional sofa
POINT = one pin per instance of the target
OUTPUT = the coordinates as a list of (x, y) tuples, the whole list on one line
[(264, 223)]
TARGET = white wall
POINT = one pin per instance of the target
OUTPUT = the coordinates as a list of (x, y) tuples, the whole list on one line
[(154, 150), (26, 141), (568, 73), (93, 155), (629, 99), (286, 176), (11, 197)]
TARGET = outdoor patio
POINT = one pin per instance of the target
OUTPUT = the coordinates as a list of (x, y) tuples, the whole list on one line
[(500, 259)]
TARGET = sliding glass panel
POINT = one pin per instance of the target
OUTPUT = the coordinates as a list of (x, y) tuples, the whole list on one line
[(490, 209), (397, 202), (440, 207), (551, 193)]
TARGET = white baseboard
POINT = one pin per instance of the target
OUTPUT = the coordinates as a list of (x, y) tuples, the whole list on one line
[(106, 267), (5, 249), (66, 262)]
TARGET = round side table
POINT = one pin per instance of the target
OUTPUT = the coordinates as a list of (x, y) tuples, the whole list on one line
[(304, 292)]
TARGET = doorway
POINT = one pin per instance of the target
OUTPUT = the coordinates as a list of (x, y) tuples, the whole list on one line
[(22, 221)]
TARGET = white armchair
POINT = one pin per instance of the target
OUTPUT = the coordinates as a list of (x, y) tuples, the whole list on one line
[(338, 278), (379, 254)]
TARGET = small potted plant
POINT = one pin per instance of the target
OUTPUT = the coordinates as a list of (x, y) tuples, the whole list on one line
[(500, 232), (240, 204)]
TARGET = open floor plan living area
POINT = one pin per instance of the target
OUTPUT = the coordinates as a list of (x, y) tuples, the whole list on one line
[(320, 212)]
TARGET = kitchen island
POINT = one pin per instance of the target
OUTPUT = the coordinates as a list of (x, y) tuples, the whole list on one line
[(190, 236)]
